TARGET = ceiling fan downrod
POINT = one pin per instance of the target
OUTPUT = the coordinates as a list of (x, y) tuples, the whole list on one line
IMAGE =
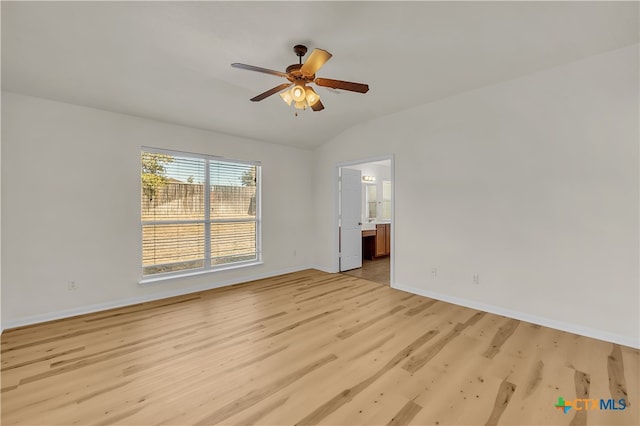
[(300, 50)]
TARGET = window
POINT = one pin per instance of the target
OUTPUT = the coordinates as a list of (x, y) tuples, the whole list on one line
[(386, 200), (371, 201), (198, 212)]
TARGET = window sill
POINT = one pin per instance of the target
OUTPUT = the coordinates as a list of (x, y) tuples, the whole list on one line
[(153, 280)]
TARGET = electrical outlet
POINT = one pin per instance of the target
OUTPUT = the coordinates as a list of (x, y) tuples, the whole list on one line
[(295, 253), (476, 279), (72, 286), (434, 272)]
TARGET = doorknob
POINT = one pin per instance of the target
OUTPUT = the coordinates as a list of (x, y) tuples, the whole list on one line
[(359, 223)]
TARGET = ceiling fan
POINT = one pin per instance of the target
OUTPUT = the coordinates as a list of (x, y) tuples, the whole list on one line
[(300, 76)]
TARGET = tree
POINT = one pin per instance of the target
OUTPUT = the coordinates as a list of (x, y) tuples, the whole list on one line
[(248, 178), (154, 172)]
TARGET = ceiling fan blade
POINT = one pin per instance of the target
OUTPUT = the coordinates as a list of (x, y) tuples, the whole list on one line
[(344, 85), (315, 61), (270, 92), (259, 69), (317, 106)]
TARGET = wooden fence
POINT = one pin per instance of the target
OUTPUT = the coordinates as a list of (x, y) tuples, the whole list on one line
[(177, 201)]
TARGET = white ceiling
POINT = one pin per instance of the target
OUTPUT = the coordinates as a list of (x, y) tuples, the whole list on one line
[(171, 60)]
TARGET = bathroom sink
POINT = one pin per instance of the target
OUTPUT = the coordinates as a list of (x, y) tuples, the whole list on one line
[(367, 226)]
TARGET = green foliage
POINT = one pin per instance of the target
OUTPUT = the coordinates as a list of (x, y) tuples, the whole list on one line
[(154, 172), (248, 178)]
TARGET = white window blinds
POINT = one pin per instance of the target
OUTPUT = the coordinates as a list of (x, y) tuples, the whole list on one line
[(198, 212)]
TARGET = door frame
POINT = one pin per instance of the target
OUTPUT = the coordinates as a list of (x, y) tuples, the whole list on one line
[(336, 210)]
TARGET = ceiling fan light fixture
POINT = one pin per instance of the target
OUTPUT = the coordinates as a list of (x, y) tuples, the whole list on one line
[(301, 105), (298, 93), (312, 96), (286, 97)]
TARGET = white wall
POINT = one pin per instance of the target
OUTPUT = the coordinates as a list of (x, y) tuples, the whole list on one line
[(71, 207), (1, 326), (532, 184)]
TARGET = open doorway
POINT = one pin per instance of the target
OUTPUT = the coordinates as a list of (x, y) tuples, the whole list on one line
[(365, 219)]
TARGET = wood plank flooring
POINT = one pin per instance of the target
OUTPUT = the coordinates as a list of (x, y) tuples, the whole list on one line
[(308, 348)]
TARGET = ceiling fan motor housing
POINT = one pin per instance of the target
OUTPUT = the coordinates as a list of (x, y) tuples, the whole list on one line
[(293, 67), (294, 74)]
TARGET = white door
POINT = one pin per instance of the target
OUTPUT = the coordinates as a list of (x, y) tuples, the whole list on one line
[(350, 231)]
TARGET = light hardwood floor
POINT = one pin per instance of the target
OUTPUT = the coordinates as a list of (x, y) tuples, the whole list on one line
[(308, 348)]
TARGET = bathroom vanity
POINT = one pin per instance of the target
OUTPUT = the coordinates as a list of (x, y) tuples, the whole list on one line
[(376, 240)]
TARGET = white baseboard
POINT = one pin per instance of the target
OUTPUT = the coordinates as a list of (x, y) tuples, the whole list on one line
[(67, 313), (630, 341)]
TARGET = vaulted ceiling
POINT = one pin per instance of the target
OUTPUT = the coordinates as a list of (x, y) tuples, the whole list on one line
[(171, 60)]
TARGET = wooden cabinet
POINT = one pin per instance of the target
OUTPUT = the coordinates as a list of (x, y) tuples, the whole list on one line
[(383, 239), (387, 238), (376, 242), (368, 244)]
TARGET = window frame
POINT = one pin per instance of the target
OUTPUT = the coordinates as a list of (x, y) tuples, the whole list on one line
[(207, 221)]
